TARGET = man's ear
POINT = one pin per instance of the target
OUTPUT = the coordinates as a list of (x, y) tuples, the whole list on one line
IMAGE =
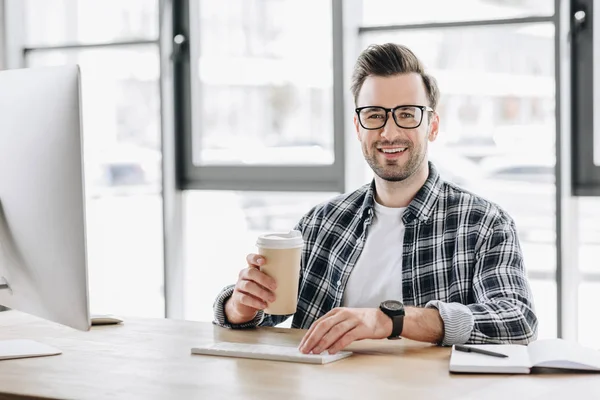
[(357, 126), (434, 127)]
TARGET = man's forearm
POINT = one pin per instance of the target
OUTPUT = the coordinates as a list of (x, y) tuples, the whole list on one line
[(423, 325)]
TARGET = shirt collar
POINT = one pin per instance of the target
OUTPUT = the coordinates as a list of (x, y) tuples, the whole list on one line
[(423, 204)]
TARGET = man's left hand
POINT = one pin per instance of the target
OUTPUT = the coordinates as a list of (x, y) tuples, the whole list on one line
[(342, 326)]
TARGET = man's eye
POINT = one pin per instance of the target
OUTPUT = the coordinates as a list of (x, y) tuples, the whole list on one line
[(375, 116), (406, 115)]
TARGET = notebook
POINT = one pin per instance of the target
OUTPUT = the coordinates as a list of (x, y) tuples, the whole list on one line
[(24, 348), (267, 352), (547, 353)]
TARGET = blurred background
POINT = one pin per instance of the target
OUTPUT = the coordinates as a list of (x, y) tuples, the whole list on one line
[(267, 91)]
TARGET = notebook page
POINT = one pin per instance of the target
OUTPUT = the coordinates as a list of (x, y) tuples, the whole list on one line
[(517, 361), (560, 353)]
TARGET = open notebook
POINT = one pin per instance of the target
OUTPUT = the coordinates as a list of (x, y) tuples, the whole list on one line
[(547, 353)]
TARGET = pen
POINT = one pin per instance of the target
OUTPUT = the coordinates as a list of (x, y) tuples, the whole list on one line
[(468, 349)]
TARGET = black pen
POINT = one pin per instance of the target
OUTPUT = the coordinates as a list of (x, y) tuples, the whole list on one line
[(468, 349)]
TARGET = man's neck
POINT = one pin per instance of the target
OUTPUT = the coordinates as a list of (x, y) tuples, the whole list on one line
[(400, 194)]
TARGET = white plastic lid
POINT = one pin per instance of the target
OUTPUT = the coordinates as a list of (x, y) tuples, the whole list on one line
[(281, 240)]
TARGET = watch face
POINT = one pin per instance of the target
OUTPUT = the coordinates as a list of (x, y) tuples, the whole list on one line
[(393, 305)]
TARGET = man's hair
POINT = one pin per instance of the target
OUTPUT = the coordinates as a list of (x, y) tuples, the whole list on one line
[(388, 60)]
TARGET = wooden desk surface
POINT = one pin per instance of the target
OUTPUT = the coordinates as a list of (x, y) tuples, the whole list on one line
[(151, 359)]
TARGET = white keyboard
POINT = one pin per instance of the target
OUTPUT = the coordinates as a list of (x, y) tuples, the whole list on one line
[(267, 352)]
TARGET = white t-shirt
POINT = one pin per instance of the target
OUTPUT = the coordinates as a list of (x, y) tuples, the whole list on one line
[(377, 275)]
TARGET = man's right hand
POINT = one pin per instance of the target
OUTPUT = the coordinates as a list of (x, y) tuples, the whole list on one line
[(253, 290)]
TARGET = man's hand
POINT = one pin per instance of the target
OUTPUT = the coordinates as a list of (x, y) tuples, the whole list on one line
[(253, 290), (342, 326)]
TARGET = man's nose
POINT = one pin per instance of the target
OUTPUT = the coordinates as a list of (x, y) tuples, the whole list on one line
[(390, 130)]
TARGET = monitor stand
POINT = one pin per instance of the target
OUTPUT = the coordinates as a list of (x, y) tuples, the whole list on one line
[(23, 348), (4, 284), (17, 348)]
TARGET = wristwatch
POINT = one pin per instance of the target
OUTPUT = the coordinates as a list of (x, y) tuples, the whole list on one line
[(395, 310)]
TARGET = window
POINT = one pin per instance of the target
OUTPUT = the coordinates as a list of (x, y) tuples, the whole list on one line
[(262, 88), (121, 136), (265, 143), (259, 116), (221, 229), (502, 154)]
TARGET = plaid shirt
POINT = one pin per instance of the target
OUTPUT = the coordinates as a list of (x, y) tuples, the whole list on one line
[(460, 255)]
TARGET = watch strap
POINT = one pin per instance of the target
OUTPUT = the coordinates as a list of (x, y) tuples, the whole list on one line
[(397, 325)]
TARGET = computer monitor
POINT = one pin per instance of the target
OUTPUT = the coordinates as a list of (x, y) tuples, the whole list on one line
[(43, 268)]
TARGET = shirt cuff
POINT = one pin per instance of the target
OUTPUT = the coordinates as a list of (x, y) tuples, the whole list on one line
[(458, 321), (221, 318)]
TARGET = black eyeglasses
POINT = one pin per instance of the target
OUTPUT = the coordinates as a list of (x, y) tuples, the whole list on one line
[(406, 116)]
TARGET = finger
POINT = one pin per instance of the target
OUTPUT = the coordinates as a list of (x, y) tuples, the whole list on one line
[(335, 334), (316, 323), (255, 260), (256, 290), (250, 301), (253, 274), (313, 327), (345, 341), (321, 328)]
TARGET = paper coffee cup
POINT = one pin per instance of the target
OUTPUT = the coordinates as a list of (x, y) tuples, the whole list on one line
[(282, 252)]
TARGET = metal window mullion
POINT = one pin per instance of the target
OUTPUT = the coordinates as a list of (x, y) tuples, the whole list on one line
[(85, 46), (14, 33), (339, 116), (567, 242), (265, 178), (456, 24), (173, 231)]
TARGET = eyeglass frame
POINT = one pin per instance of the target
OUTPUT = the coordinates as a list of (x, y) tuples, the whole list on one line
[(392, 110)]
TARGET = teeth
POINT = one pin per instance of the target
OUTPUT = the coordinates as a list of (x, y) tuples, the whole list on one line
[(389, 151)]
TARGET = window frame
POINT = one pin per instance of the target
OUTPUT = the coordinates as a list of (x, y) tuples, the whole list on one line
[(313, 178)]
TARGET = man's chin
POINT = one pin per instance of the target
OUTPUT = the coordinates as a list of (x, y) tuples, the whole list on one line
[(397, 176), (389, 178)]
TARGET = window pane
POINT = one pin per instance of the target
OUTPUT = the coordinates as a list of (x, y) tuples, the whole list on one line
[(263, 82), (589, 254), (589, 323), (395, 12), (544, 293), (589, 234), (497, 126), (222, 227), (121, 124), (56, 22)]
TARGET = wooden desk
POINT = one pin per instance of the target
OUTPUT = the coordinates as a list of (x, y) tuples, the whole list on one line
[(151, 359)]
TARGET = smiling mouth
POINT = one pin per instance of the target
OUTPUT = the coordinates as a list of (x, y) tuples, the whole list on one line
[(392, 150)]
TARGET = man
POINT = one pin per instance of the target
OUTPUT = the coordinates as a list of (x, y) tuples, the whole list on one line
[(407, 255)]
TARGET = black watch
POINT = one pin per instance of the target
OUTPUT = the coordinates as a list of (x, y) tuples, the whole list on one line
[(395, 310)]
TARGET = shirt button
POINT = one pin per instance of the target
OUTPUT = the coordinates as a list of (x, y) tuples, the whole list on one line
[(339, 283)]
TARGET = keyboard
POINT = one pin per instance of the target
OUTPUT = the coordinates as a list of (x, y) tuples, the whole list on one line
[(267, 352)]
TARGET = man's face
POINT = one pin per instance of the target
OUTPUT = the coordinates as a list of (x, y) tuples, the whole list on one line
[(395, 153)]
